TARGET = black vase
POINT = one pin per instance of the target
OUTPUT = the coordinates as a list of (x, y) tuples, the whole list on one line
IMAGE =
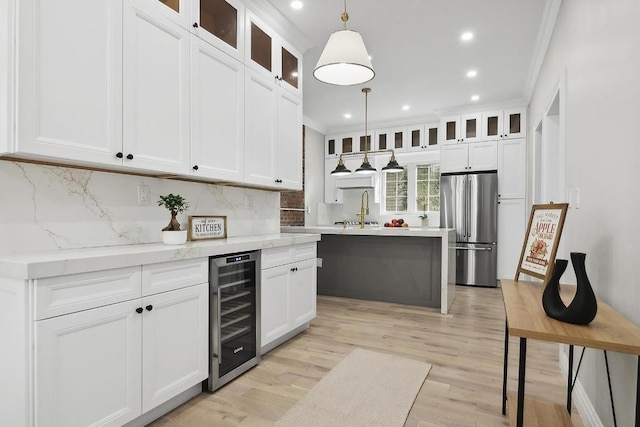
[(582, 310)]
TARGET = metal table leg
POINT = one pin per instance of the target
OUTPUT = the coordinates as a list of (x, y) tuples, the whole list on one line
[(521, 372), (569, 378), (504, 370)]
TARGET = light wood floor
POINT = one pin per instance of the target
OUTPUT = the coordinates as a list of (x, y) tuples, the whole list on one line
[(464, 347)]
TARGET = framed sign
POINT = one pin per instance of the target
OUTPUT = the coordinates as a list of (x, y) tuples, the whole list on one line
[(203, 227), (541, 241)]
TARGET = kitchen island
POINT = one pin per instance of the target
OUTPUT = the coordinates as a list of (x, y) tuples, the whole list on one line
[(414, 265)]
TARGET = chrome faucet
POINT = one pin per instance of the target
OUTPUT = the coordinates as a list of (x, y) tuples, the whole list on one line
[(363, 211)]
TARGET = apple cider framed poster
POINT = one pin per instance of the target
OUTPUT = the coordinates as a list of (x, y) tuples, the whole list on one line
[(541, 240)]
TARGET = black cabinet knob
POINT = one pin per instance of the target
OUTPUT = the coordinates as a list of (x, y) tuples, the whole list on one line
[(195, 25), (278, 181), (139, 310), (149, 307), (130, 156), (195, 167), (119, 154)]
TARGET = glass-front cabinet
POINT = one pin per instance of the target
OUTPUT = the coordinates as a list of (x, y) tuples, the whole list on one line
[(221, 23), (271, 55), (504, 124), (332, 147), (218, 22), (464, 128)]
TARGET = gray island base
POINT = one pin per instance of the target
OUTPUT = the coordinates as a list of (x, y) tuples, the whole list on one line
[(415, 266), (403, 270)]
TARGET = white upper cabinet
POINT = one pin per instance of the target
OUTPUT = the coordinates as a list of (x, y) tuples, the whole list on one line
[(511, 168), (267, 53), (289, 137), (220, 23), (504, 124), (217, 114), (70, 85), (423, 137), (465, 128), (479, 156), (156, 94), (391, 139), (332, 148)]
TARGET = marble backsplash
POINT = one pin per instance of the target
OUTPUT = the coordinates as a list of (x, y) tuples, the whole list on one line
[(48, 208)]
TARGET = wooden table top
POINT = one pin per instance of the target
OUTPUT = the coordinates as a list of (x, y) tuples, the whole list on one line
[(526, 318)]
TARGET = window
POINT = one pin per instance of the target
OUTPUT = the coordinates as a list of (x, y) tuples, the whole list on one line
[(428, 188), (419, 183), (395, 196)]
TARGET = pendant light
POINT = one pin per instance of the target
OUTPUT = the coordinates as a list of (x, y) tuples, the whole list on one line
[(366, 168), (344, 60)]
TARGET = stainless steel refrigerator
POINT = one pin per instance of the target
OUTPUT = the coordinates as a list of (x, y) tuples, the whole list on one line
[(469, 203)]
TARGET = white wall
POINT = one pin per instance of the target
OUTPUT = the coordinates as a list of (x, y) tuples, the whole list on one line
[(313, 170), (49, 208), (597, 43)]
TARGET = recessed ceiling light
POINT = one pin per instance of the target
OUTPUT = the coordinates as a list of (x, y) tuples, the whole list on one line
[(475, 97), (297, 5), (466, 36), (347, 115), (405, 108), (472, 73)]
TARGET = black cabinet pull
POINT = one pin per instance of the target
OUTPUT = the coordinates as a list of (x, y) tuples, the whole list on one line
[(119, 154), (130, 156), (294, 268), (195, 168), (149, 307), (195, 25), (139, 310), (278, 181)]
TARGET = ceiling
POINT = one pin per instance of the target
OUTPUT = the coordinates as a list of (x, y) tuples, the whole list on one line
[(419, 58)]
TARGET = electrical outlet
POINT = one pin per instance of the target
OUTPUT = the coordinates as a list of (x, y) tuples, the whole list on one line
[(143, 195), (248, 201)]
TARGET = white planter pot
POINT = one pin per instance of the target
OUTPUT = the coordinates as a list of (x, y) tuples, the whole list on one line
[(174, 237), (425, 222)]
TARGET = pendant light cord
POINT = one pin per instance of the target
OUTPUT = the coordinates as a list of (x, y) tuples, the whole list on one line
[(345, 15), (366, 91)]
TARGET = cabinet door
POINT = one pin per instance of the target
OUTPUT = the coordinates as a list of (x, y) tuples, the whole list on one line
[(515, 123), (454, 158), (260, 50), (303, 292), (274, 306), (87, 367), (511, 232), (492, 125), (175, 343), (450, 130), (331, 147), (431, 136), (483, 156), (470, 125), (177, 11), (156, 94), (289, 67), (260, 129), (217, 114), (288, 149), (70, 85), (511, 168), (416, 138), (220, 23)]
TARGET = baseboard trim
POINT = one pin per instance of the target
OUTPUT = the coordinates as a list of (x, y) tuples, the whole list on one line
[(583, 404)]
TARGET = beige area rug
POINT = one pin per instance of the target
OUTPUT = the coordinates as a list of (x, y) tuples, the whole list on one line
[(365, 389)]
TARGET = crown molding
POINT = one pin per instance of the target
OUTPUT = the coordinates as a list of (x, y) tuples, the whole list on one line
[(550, 16), (279, 23)]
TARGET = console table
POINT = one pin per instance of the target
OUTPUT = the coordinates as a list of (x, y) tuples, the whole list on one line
[(525, 318)]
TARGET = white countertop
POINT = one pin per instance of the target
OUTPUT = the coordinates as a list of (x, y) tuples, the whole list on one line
[(35, 265), (372, 230)]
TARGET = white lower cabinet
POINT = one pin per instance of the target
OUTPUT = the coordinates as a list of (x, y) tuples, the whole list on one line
[(109, 364), (511, 230), (87, 367), (288, 290)]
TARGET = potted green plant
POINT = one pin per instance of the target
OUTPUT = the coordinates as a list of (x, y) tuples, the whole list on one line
[(424, 218), (172, 234)]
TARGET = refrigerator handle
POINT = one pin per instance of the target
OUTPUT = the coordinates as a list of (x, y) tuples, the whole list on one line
[(468, 207)]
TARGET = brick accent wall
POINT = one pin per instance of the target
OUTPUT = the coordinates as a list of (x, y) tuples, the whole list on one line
[(293, 199)]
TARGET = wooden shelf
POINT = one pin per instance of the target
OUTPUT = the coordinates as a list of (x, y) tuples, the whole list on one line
[(538, 413)]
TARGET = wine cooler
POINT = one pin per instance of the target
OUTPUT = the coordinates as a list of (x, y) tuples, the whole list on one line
[(234, 316)]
